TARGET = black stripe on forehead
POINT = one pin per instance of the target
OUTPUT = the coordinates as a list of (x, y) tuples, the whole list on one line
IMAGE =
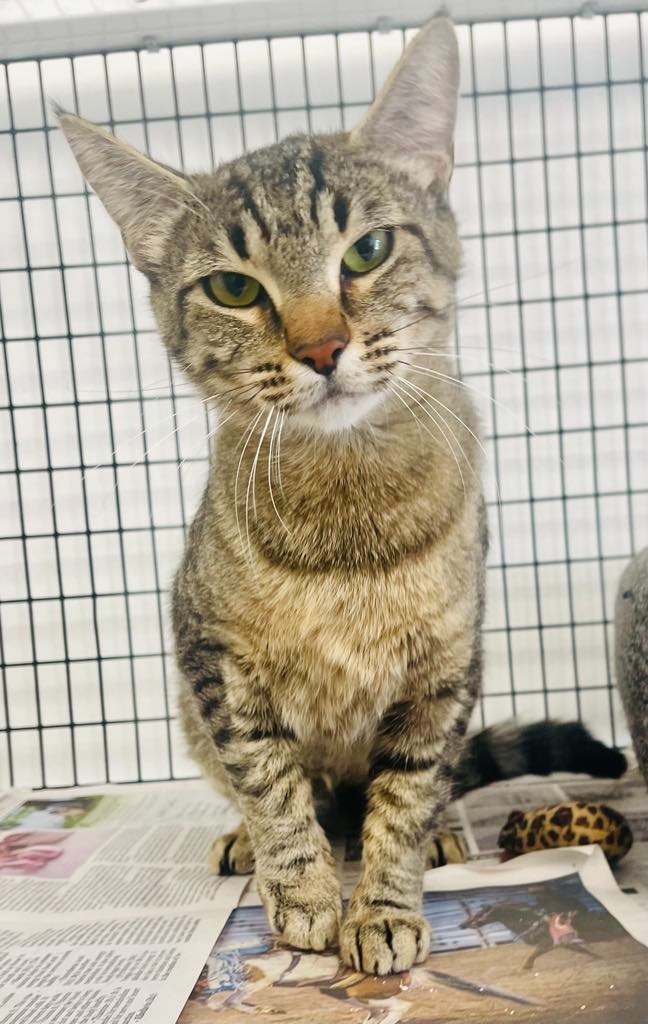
[(250, 205), (289, 170), (236, 235), (316, 167), (341, 212)]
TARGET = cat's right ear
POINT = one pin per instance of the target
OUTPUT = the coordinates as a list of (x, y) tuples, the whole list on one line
[(142, 196), (413, 117)]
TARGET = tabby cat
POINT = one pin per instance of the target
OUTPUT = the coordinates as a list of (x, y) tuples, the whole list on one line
[(327, 611)]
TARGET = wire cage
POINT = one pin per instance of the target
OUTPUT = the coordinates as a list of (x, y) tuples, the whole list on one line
[(103, 445)]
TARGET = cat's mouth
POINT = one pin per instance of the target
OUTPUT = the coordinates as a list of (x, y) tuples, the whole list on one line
[(335, 394), (337, 408)]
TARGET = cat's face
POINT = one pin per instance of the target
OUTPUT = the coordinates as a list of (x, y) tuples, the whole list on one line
[(302, 277), (295, 287)]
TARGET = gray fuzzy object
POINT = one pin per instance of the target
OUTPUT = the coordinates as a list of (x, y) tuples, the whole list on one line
[(631, 652)]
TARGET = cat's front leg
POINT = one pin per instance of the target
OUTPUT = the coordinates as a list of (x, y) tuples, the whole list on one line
[(412, 768), (295, 871), (260, 759)]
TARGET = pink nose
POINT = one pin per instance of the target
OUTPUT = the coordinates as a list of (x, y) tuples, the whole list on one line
[(323, 356)]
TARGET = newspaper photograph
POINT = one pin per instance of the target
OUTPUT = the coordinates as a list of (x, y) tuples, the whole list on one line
[(627, 795), (107, 909), (545, 938)]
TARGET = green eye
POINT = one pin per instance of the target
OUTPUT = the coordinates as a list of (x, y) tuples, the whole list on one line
[(230, 289), (368, 252)]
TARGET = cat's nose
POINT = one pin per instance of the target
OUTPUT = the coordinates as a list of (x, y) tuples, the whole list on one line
[(322, 356)]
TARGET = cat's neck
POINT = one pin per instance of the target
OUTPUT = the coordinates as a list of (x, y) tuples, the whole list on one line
[(361, 496)]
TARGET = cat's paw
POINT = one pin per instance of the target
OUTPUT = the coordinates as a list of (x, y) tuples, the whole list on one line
[(446, 848), (382, 940), (305, 913), (231, 854)]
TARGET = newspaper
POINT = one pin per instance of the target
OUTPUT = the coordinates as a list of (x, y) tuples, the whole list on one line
[(543, 938), (109, 916), (627, 795), (107, 911)]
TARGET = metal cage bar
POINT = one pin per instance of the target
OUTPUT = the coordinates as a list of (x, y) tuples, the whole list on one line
[(103, 447)]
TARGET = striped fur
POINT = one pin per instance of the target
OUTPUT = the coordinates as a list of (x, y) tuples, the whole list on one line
[(327, 611)]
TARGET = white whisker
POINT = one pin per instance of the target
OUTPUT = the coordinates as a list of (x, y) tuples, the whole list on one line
[(428, 397), (272, 499), (420, 424), (251, 484), (486, 291), (166, 437), (256, 458), (462, 383), (435, 419), (211, 433), (456, 381), (281, 426), (472, 433), (249, 430), (163, 384), (473, 352)]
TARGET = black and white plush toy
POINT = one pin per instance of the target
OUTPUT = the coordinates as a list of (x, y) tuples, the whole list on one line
[(631, 652)]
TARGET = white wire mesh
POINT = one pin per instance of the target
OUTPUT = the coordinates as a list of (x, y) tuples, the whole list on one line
[(550, 190)]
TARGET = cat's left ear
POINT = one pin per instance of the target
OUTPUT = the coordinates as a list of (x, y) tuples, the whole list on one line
[(413, 117)]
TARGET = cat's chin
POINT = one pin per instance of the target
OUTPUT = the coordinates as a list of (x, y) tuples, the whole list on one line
[(337, 412)]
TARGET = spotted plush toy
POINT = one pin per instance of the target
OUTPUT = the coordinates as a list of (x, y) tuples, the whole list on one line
[(569, 824)]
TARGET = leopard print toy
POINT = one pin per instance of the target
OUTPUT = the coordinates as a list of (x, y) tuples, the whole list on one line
[(568, 824)]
